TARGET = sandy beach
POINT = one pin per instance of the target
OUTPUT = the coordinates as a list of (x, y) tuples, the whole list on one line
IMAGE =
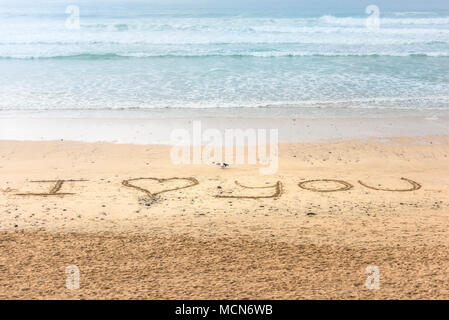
[(224, 150), (214, 238)]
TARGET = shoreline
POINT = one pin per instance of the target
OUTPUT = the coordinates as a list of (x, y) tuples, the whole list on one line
[(156, 126)]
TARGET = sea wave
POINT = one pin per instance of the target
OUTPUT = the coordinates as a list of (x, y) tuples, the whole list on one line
[(311, 41), (230, 24), (355, 21), (257, 24), (415, 13), (137, 55), (379, 103)]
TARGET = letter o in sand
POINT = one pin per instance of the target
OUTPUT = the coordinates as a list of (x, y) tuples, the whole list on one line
[(345, 185)]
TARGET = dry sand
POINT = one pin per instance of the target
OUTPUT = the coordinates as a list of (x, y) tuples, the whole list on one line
[(191, 245)]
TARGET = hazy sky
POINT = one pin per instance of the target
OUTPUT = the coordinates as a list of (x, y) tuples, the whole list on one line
[(304, 5), (315, 4)]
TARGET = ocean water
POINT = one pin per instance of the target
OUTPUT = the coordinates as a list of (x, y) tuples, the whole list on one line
[(144, 58)]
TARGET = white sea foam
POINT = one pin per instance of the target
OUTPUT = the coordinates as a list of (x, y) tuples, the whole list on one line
[(139, 61)]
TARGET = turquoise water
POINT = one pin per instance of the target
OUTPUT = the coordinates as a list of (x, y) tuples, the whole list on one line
[(144, 57)]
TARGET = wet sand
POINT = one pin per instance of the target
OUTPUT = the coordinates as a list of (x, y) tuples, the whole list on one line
[(154, 126)]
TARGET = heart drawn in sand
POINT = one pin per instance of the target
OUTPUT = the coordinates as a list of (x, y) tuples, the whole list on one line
[(191, 182)]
